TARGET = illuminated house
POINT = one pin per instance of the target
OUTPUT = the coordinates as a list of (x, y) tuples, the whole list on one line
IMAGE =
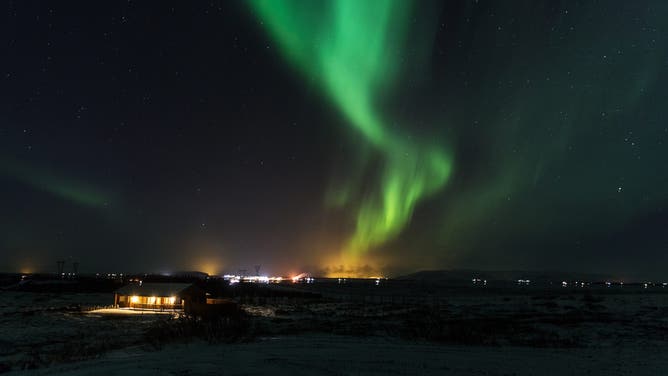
[(172, 296)]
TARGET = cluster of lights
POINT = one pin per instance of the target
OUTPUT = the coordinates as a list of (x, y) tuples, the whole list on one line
[(523, 281), (298, 279), (251, 279), (152, 299), (108, 275), (651, 284), (479, 281), (303, 277), (579, 284), (610, 284), (376, 280)]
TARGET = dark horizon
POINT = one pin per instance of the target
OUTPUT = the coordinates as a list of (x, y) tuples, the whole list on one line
[(462, 274)]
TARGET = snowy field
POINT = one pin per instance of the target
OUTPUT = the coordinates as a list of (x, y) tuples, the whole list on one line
[(40, 329), (462, 332), (343, 355)]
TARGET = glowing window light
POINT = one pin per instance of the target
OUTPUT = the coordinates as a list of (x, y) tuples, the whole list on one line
[(172, 300), (134, 299), (151, 300)]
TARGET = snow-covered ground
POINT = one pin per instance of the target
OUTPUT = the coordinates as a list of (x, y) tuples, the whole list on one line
[(130, 312), (343, 355), (467, 332), (40, 329)]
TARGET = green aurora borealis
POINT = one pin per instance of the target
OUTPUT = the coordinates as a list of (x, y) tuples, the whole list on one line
[(68, 189), (342, 137), (349, 49), (546, 117)]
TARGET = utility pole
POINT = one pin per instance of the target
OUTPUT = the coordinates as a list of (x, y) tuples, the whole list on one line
[(61, 267)]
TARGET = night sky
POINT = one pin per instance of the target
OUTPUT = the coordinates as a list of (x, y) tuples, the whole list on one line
[(339, 138)]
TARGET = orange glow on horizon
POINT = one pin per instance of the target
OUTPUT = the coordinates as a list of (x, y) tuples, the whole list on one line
[(209, 265), (347, 265), (210, 269)]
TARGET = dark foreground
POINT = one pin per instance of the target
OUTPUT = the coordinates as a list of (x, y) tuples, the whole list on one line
[(341, 330)]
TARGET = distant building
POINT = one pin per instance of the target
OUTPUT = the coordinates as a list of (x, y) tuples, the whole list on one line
[(172, 296)]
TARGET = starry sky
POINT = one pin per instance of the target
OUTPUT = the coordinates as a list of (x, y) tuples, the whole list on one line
[(336, 137)]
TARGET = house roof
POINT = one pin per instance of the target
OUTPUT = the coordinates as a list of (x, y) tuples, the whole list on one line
[(154, 289)]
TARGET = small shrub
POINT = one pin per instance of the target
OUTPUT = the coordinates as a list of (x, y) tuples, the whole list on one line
[(222, 329)]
